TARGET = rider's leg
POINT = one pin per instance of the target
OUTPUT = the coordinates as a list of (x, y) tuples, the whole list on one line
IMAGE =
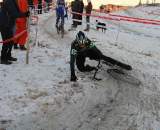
[(115, 62), (80, 62), (94, 53), (57, 20)]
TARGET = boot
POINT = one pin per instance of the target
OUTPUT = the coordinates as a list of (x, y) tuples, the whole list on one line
[(15, 46), (6, 62), (12, 59), (22, 47), (56, 26)]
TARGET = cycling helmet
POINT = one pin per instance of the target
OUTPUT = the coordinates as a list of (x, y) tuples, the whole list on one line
[(80, 37)]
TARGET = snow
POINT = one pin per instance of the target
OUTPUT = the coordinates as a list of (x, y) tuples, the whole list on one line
[(40, 96)]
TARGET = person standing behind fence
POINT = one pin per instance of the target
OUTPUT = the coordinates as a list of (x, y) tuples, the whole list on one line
[(88, 12), (81, 7), (21, 25), (39, 6), (8, 14), (75, 5), (30, 3)]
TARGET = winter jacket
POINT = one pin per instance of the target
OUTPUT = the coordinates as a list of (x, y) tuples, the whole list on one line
[(8, 13), (75, 6), (89, 8), (81, 6), (30, 2), (21, 23)]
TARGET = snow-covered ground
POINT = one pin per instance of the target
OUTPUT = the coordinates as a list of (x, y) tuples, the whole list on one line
[(40, 96)]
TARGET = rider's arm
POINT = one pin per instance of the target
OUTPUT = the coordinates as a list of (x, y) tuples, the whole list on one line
[(89, 43), (73, 53)]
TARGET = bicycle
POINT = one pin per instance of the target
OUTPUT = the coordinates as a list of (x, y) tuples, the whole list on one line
[(60, 29), (117, 72)]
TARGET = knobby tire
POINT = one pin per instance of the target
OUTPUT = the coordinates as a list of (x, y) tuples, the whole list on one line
[(123, 76)]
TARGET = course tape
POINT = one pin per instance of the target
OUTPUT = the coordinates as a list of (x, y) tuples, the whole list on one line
[(93, 26), (15, 37), (122, 18), (21, 33)]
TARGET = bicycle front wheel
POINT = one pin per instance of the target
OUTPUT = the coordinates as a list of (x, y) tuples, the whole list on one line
[(122, 76)]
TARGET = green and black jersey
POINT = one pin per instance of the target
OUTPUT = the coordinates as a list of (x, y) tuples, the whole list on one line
[(76, 49)]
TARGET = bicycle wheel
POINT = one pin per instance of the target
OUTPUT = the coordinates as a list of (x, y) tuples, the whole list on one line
[(62, 31), (122, 76), (57, 29)]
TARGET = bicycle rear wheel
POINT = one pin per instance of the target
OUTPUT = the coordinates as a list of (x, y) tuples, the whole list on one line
[(57, 29), (122, 76), (62, 31)]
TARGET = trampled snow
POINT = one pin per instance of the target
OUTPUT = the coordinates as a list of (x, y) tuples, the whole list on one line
[(40, 96)]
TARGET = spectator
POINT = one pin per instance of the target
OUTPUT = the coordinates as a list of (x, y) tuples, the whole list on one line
[(88, 12), (81, 7), (39, 6), (30, 3), (8, 15), (21, 25), (75, 9)]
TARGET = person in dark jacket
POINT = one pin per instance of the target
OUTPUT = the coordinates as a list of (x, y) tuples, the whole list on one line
[(30, 4), (88, 12), (8, 14), (83, 47), (75, 9), (81, 7), (39, 6)]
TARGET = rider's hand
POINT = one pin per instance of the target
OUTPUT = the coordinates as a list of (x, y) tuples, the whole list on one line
[(73, 78)]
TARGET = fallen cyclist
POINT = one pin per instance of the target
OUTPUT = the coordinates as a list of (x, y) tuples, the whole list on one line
[(81, 48)]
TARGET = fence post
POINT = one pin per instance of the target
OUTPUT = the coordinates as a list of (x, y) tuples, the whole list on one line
[(27, 44)]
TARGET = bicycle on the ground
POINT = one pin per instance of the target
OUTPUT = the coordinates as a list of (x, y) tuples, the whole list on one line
[(119, 73)]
